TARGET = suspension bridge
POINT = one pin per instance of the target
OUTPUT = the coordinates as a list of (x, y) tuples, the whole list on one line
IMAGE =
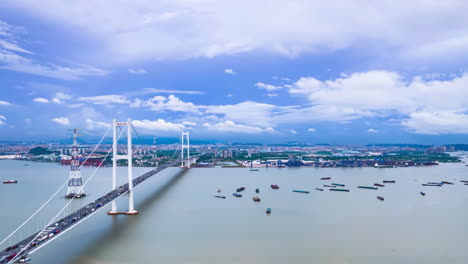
[(19, 251)]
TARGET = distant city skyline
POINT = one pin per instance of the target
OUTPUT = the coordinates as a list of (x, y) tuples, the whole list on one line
[(274, 72)]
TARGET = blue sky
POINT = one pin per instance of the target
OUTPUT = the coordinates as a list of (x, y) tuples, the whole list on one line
[(269, 71)]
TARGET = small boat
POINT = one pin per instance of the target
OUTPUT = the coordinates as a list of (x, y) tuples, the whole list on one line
[(379, 185), (237, 195), (256, 199), (325, 178), (464, 181), (447, 182), (368, 187), (338, 184), (253, 169), (220, 196), (24, 260), (329, 186), (268, 211), (432, 184), (299, 191), (257, 190), (10, 181), (219, 190), (380, 198), (339, 190), (240, 189), (274, 186), (319, 189), (423, 194), (388, 181)]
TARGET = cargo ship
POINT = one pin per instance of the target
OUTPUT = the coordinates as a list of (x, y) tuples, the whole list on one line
[(10, 181)]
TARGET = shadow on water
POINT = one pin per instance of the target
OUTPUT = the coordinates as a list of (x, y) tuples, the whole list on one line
[(121, 223)]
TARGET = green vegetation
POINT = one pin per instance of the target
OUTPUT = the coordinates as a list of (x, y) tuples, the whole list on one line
[(39, 151)]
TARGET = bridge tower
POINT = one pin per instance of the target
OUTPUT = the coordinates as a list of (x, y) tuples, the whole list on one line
[(128, 157), (185, 140), (75, 182)]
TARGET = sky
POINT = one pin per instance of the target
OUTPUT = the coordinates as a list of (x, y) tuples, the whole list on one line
[(337, 71)]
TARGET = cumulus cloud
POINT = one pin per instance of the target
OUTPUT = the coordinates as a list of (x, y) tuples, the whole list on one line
[(416, 102), (56, 100), (268, 87), (41, 100), (137, 71), (105, 99), (371, 130), (231, 127), (188, 123), (158, 125), (251, 113), (4, 103), (436, 123), (62, 121), (170, 103), (311, 130), (230, 71), (63, 96), (292, 131), (96, 125), (167, 91)]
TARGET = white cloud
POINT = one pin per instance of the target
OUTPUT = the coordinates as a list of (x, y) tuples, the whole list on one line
[(96, 125), (41, 100), (416, 102), (371, 130), (188, 123), (56, 100), (28, 121), (137, 71), (231, 127), (12, 46), (2, 120), (4, 103), (268, 87), (311, 130), (62, 121), (271, 95), (154, 91), (210, 28), (105, 99), (12, 60), (436, 123), (170, 103), (158, 125), (292, 131), (230, 71), (251, 113), (63, 96)]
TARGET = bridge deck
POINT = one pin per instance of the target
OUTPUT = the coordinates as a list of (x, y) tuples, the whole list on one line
[(30, 244)]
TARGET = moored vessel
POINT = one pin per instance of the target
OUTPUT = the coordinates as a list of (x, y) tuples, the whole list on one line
[(10, 181)]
